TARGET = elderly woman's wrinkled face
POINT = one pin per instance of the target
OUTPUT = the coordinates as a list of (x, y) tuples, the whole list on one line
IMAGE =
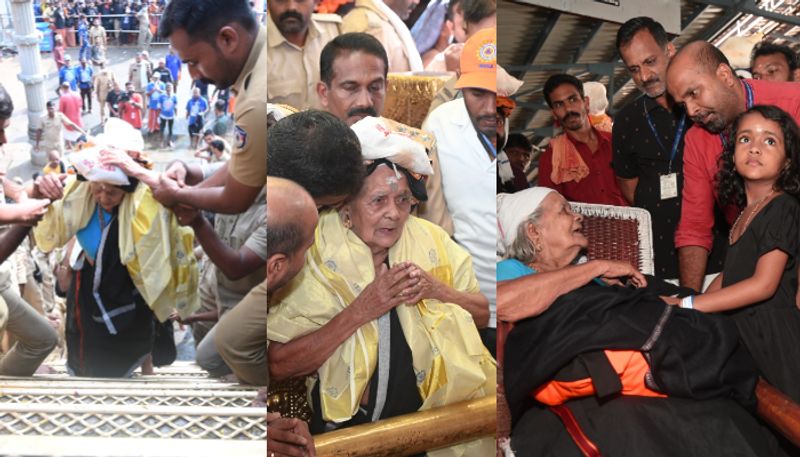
[(559, 229), (381, 208), (106, 195)]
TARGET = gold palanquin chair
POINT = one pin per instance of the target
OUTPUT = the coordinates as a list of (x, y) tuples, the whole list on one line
[(409, 96)]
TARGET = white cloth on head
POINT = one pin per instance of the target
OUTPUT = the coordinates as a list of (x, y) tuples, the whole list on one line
[(507, 85), (378, 141), (512, 210), (414, 59)]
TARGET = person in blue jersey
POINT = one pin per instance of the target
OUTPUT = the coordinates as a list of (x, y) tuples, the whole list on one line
[(168, 106)]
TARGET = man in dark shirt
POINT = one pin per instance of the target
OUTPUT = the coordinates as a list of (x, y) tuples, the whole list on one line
[(647, 141), (113, 100)]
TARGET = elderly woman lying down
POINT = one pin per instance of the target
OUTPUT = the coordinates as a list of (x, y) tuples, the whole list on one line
[(614, 367), (384, 311)]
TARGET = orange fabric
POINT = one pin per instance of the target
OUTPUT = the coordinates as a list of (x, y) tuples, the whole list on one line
[(602, 122), (505, 105), (629, 365), (330, 6), (567, 162)]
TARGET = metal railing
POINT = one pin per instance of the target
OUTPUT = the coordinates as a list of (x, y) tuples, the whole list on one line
[(7, 29)]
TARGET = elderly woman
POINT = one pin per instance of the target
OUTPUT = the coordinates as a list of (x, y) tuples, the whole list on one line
[(606, 358), (385, 310), (135, 264)]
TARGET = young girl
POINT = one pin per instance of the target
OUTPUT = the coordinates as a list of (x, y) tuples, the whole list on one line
[(758, 283)]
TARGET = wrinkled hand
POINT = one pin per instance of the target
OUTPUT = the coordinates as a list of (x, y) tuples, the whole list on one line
[(166, 191), (390, 288), (452, 57), (428, 287), (177, 172), (614, 269), (30, 211), (288, 437), (187, 215), (121, 159), (50, 186)]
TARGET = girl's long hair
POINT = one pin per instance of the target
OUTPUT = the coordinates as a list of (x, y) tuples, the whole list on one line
[(730, 184)]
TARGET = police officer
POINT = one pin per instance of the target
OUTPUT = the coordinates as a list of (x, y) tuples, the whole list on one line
[(295, 38), (222, 43)]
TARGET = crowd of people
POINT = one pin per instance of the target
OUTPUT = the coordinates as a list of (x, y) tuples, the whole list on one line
[(711, 152)]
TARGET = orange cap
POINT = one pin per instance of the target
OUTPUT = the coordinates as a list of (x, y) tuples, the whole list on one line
[(479, 62)]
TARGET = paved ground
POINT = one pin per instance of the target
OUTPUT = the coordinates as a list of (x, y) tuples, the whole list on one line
[(119, 58)]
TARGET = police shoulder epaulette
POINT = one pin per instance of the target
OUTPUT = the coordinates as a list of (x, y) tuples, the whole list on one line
[(334, 18)]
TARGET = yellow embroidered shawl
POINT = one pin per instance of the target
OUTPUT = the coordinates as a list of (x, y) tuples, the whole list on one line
[(155, 250), (449, 359)]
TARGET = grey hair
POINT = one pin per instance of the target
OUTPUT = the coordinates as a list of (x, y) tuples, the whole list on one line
[(522, 248)]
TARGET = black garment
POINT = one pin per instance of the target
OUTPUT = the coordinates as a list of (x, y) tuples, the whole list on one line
[(91, 348), (113, 100), (637, 154), (629, 426), (166, 76), (165, 124), (402, 393), (86, 97), (203, 86), (58, 18), (691, 354), (770, 329)]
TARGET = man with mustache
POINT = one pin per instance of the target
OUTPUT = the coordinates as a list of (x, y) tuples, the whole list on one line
[(647, 141), (700, 78), (774, 62), (577, 163), (295, 38), (352, 86), (466, 132), (221, 42)]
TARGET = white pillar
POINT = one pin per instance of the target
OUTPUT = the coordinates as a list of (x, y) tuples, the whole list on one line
[(27, 38)]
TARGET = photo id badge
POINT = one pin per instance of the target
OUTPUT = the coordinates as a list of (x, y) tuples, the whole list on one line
[(669, 186)]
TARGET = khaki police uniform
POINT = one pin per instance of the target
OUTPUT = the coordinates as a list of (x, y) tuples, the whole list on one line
[(52, 133), (103, 84), (241, 334), (293, 71), (368, 18), (241, 337), (248, 164)]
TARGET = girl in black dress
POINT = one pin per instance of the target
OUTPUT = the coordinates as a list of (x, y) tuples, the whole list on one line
[(758, 285)]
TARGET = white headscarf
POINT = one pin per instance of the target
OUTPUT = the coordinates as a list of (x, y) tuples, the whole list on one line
[(512, 209), (379, 141)]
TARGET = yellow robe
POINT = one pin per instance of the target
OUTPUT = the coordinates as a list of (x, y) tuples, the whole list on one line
[(155, 250), (449, 358)]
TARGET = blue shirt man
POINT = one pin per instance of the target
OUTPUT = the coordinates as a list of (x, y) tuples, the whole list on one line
[(67, 74)]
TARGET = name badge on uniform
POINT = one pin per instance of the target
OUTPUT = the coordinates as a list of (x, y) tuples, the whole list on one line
[(669, 186)]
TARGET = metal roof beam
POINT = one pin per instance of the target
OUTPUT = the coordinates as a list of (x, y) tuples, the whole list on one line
[(592, 33), (599, 67), (537, 44), (749, 6)]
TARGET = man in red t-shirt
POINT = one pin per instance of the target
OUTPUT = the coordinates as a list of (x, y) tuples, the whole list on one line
[(70, 103), (577, 163), (130, 106), (700, 77)]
